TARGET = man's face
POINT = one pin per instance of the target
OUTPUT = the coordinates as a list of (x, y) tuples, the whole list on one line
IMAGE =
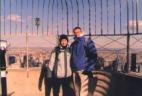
[(64, 42), (77, 32)]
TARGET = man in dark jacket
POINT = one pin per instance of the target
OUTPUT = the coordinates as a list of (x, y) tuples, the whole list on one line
[(83, 60), (46, 76)]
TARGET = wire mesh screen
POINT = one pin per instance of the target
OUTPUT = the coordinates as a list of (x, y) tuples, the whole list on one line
[(96, 17)]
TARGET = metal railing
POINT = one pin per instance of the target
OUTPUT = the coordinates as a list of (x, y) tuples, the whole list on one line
[(96, 17)]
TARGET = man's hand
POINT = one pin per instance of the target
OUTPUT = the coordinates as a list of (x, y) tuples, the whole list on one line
[(89, 73)]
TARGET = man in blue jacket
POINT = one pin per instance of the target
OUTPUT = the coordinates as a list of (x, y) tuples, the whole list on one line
[(83, 60)]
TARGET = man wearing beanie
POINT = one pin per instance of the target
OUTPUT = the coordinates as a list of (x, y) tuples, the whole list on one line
[(59, 64)]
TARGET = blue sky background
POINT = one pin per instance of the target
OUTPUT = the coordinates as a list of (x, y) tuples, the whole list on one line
[(50, 10)]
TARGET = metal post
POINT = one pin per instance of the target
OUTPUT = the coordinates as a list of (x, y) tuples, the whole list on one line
[(128, 40), (0, 19), (48, 14), (128, 53), (67, 6), (107, 16), (43, 17), (62, 15), (57, 17), (3, 72), (137, 23), (89, 19), (10, 16), (21, 15), (114, 18), (27, 53), (52, 18), (27, 48), (4, 15), (101, 17), (78, 22)]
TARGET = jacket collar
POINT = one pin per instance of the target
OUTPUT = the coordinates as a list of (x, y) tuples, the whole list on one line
[(62, 47), (81, 38)]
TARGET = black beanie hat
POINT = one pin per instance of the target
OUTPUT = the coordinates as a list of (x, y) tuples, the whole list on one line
[(63, 36)]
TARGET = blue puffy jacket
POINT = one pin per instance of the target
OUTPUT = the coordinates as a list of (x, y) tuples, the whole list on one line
[(84, 54)]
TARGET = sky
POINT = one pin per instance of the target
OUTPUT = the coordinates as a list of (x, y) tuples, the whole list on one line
[(18, 17)]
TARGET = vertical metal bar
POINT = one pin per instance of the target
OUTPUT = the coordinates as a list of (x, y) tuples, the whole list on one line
[(114, 18), (52, 16), (77, 12), (27, 47), (95, 16), (38, 8), (38, 15), (107, 18), (133, 16), (32, 14), (72, 12), (21, 16), (57, 18), (4, 15), (27, 53), (128, 53), (3, 71), (137, 14), (43, 17), (89, 18), (10, 17), (0, 21), (48, 17), (120, 7), (16, 18), (101, 17), (62, 15), (128, 39), (67, 17), (83, 14)]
